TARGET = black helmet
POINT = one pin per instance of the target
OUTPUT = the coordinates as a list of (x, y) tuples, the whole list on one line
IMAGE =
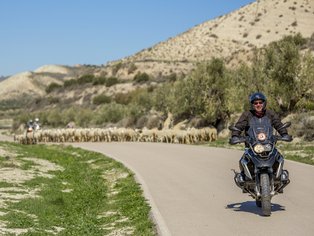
[(258, 96)]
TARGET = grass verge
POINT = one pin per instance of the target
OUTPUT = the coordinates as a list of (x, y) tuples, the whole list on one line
[(69, 191), (300, 152)]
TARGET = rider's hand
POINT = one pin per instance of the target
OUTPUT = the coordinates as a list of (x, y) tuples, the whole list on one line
[(286, 137), (234, 140)]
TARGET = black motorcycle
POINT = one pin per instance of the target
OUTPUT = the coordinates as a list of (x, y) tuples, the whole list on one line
[(262, 163)]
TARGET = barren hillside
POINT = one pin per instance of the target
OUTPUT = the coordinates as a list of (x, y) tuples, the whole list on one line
[(231, 36), (34, 83), (256, 24)]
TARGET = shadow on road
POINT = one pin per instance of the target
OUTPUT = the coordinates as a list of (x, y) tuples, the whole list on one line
[(250, 206)]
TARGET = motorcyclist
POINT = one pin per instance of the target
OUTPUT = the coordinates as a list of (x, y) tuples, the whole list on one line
[(30, 124), (36, 124), (258, 102)]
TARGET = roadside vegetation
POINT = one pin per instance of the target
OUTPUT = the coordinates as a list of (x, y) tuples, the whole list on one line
[(211, 92), (60, 190)]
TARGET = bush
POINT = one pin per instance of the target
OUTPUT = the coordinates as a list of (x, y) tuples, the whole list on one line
[(51, 87), (53, 100), (85, 79), (123, 98), (141, 77), (111, 113), (101, 99), (70, 83), (111, 81), (99, 80)]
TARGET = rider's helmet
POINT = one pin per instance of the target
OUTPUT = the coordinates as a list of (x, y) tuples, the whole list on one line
[(36, 119), (258, 96)]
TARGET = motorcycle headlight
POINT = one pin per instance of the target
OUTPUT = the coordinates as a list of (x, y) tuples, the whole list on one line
[(268, 147), (261, 136), (258, 148)]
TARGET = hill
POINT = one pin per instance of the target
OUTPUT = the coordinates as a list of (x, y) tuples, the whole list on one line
[(232, 37)]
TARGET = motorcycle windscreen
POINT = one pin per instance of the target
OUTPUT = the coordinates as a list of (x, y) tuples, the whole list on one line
[(261, 130)]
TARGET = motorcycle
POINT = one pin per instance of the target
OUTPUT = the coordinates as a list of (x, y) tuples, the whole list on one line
[(262, 163)]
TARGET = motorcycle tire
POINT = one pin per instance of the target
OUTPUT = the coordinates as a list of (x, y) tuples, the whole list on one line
[(265, 192)]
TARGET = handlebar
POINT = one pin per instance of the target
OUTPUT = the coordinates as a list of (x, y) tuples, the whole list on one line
[(287, 138)]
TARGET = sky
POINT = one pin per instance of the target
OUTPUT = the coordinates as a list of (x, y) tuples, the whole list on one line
[(34, 33)]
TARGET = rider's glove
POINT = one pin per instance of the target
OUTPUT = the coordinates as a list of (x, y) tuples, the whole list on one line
[(286, 137), (234, 140)]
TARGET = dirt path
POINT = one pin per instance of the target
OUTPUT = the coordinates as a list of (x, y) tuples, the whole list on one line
[(192, 192), (6, 138)]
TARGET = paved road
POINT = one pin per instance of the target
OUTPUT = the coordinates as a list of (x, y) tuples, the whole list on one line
[(191, 191)]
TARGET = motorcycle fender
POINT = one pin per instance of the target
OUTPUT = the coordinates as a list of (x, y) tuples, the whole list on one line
[(263, 163)]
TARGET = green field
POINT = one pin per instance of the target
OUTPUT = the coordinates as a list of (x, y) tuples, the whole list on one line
[(60, 190)]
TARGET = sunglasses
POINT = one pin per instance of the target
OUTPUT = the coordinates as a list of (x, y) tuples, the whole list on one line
[(256, 103)]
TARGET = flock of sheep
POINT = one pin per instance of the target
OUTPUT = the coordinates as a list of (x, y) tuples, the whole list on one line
[(184, 136)]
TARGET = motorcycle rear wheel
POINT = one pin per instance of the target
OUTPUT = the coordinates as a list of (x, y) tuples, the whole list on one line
[(265, 192)]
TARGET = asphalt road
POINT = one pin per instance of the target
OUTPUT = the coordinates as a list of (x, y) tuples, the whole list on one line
[(191, 191)]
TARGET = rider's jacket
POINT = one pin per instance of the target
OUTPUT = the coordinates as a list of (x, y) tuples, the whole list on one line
[(244, 121)]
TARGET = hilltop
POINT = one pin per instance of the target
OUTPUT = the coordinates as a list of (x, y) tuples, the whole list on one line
[(232, 37)]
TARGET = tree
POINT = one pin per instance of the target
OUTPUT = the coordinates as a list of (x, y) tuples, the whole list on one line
[(287, 72), (202, 93)]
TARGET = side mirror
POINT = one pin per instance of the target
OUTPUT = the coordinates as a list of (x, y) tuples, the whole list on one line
[(233, 128), (285, 125)]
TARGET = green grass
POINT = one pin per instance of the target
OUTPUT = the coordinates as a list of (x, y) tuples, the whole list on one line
[(300, 152), (84, 198)]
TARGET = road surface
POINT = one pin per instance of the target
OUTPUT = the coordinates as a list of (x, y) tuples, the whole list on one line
[(192, 193)]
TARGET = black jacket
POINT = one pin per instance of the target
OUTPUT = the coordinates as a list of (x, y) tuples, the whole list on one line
[(243, 122)]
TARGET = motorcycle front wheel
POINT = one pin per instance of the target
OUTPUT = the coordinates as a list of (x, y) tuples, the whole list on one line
[(265, 192), (258, 203)]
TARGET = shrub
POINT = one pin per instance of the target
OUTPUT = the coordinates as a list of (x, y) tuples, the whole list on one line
[(123, 98), (101, 99), (53, 86), (70, 83), (99, 80), (172, 77), (111, 81), (53, 100), (85, 79), (141, 77), (111, 113)]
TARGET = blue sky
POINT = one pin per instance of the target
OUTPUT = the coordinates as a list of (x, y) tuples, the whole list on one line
[(68, 32)]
